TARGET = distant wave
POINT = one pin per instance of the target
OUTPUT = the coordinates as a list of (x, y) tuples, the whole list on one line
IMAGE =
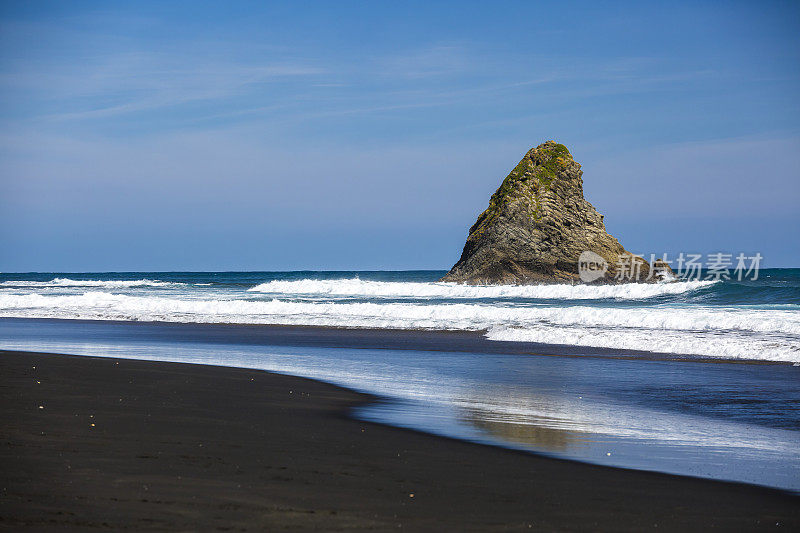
[(355, 287), (720, 332), (110, 284)]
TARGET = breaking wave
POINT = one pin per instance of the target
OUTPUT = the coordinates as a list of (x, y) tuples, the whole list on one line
[(355, 287), (109, 284), (708, 331), (704, 343)]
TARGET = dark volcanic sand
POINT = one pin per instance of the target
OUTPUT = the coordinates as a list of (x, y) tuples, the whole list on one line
[(190, 447)]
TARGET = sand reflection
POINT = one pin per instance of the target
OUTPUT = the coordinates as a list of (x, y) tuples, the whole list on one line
[(548, 423)]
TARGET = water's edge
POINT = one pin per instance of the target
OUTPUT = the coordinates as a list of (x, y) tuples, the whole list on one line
[(371, 401)]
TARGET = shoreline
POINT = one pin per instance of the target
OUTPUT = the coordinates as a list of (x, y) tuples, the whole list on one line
[(260, 456), (400, 339)]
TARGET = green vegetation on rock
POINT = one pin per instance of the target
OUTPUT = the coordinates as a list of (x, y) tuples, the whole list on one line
[(550, 161), (536, 226), (543, 163)]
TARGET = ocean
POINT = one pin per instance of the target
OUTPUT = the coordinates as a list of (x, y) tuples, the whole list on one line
[(687, 377)]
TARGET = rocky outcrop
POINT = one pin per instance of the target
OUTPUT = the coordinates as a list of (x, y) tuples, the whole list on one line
[(539, 228)]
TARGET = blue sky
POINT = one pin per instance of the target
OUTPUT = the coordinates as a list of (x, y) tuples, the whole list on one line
[(369, 135)]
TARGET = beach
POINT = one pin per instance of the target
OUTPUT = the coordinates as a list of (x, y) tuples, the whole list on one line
[(124, 444), (673, 413), (371, 266)]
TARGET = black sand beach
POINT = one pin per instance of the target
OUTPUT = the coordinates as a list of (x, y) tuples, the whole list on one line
[(122, 444)]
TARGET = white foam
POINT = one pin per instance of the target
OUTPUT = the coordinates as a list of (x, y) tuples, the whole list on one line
[(108, 284), (721, 332), (710, 344), (355, 287)]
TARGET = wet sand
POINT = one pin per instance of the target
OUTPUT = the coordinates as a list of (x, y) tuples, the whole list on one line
[(122, 444)]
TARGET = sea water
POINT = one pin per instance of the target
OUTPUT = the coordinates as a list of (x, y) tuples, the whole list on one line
[(637, 384)]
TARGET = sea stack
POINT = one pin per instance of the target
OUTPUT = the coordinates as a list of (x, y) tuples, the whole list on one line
[(538, 228)]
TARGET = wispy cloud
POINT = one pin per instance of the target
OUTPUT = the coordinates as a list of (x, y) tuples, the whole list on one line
[(426, 62), (132, 83), (116, 78)]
